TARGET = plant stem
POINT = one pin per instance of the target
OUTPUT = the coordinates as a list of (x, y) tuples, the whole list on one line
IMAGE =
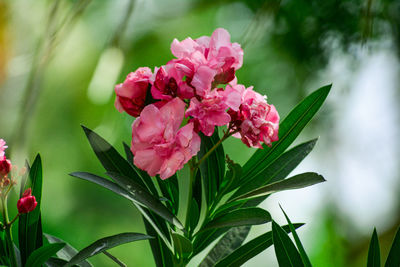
[(10, 244), (193, 171)]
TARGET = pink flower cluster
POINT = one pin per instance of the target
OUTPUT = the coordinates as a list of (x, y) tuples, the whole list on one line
[(200, 84), (5, 165)]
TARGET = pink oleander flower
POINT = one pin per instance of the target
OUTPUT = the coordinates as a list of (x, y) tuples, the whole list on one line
[(27, 202), (211, 111), (131, 94), (256, 120), (2, 147), (158, 145), (216, 52)]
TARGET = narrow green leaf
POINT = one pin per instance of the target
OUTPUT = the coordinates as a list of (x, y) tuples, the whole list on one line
[(374, 254), (182, 245), (205, 238), (67, 252), (104, 183), (239, 217), (105, 244), (278, 169), (232, 240), (295, 182), (55, 262), (289, 129), (393, 259), (250, 249), (29, 224), (194, 215), (109, 157), (232, 178), (42, 254), (158, 225), (300, 247), (142, 197), (285, 251), (114, 259)]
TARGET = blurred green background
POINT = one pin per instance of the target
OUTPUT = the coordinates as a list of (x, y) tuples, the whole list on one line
[(60, 59)]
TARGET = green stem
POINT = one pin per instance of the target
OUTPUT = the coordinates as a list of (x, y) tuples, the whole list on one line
[(193, 171), (10, 244)]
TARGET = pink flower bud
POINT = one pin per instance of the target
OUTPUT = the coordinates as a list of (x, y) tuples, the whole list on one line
[(27, 202), (5, 166)]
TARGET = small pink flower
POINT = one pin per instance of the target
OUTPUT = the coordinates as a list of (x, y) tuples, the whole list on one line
[(158, 145), (211, 110), (27, 202), (2, 147), (256, 120), (131, 94), (5, 166)]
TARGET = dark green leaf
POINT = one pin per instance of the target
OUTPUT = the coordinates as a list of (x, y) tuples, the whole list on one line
[(302, 251), (205, 238), (295, 182), (109, 157), (232, 240), (55, 262), (105, 244), (67, 252), (142, 197), (289, 129), (374, 254), (29, 224), (42, 254), (285, 251), (194, 215), (393, 259), (213, 168), (232, 177), (250, 249), (278, 169), (239, 217), (182, 245)]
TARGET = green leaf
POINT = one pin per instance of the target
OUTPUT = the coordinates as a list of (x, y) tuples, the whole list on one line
[(295, 182), (104, 183), (29, 224), (205, 238), (109, 157), (232, 240), (250, 249), (285, 251), (393, 259), (159, 226), (289, 129), (194, 215), (302, 251), (232, 178), (67, 252), (42, 254), (213, 168), (239, 217), (105, 244), (182, 245), (142, 197), (55, 262), (374, 254), (278, 169)]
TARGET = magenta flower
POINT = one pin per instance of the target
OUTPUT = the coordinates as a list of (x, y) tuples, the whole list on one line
[(5, 166), (159, 146), (211, 111), (131, 94), (27, 202), (256, 120)]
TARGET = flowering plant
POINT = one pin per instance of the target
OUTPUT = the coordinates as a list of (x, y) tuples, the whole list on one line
[(181, 108)]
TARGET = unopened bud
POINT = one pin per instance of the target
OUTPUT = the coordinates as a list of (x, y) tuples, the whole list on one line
[(27, 202)]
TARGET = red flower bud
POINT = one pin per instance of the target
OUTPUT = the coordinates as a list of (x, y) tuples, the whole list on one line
[(27, 203), (5, 166)]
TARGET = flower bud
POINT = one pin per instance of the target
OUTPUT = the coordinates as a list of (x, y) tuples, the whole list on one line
[(27, 202), (5, 166)]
